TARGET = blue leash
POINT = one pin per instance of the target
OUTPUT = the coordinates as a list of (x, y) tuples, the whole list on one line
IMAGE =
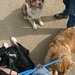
[(28, 72), (52, 62), (33, 70)]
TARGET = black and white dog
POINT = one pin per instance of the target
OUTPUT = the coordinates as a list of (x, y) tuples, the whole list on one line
[(18, 54)]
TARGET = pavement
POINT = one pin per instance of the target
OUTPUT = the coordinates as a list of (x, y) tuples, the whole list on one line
[(37, 41)]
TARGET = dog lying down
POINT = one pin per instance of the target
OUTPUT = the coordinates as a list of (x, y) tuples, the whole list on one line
[(18, 54), (63, 45)]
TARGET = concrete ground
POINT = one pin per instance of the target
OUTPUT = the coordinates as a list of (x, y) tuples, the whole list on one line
[(37, 41)]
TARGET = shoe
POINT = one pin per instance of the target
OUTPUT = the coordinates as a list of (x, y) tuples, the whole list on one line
[(60, 16)]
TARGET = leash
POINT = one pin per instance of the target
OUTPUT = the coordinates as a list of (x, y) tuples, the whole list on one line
[(33, 70), (11, 64)]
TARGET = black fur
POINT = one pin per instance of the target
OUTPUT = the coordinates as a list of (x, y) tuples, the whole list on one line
[(21, 59), (4, 60)]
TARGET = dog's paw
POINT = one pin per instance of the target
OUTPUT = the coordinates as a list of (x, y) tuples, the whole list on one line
[(34, 27), (41, 23), (13, 39), (55, 72), (5, 45)]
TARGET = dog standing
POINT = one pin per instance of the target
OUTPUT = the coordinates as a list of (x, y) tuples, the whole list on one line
[(31, 10), (63, 46)]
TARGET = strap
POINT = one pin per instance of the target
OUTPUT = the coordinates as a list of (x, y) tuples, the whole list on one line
[(11, 64), (13, 69), (52, 62)]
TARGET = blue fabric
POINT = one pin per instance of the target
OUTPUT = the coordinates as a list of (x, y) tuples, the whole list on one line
[(71, 21), (42, 71), (67, 7), (69, 11)]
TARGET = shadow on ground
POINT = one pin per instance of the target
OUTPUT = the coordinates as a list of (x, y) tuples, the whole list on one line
[(40, 51), (15, 25)]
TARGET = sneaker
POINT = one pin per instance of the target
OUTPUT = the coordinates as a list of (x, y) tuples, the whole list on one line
[(60, 16)]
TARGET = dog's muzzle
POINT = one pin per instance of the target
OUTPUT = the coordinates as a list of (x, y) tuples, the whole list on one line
[(39, 6)]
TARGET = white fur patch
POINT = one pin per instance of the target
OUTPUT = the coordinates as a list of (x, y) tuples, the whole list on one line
[(0, 58), (14, 55), (34, 14), (5, 45), (41, 23), (68, 48), (13, 39), (56, 72), (34, 27)]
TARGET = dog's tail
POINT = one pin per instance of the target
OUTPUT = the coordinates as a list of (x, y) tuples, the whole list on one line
[(5, 45)]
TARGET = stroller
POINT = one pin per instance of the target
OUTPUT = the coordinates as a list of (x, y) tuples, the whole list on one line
[(41, 71)]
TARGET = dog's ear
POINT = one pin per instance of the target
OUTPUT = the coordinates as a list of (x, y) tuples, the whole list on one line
[(28, 52), (28, 1), (42, 1)]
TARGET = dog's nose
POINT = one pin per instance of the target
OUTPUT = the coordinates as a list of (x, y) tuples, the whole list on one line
[(39, 4)]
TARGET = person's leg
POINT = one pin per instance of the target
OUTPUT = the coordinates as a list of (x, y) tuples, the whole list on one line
[(65, 13), (67, 7), (71, 21)]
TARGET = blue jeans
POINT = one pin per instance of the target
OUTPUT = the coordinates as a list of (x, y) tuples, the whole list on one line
[(69, 11)]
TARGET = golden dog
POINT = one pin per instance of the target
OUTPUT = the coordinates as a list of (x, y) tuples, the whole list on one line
[(63, 46)]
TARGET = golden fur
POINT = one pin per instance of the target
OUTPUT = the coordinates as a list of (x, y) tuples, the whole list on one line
[(62, 46), (31, 10)]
